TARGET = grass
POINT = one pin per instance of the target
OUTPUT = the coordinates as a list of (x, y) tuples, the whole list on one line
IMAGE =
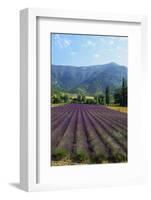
[(118, 108), (61, 157), (79, 157), (59, 154), (98, 159)]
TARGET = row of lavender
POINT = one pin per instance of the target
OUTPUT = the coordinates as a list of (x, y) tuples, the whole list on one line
[(95, 130)]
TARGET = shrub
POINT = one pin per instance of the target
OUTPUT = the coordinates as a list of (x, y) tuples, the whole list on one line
[(99, 158), (118, 157), (59, 154), (79, 157)]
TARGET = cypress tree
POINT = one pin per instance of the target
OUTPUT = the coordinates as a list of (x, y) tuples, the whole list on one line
[(124, 93), (107, 95)]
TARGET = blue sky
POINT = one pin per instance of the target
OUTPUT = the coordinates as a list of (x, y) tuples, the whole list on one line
[(83, 50)]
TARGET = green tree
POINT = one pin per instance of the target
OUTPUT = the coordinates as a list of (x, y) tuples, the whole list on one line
[(79, 98), (120, 95), (107, 95), (117, 96), (101, 99), (90, 101), (61, 97), (96, 99), (124, 93), (66, 98), (83, 99), (56, 99)]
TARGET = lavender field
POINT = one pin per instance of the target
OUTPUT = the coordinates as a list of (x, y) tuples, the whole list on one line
[(87, 134)]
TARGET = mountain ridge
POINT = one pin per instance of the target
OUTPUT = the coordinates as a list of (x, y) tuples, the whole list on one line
[(87, 79)]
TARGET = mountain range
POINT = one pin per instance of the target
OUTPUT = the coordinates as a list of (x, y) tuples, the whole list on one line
[(88, 80)]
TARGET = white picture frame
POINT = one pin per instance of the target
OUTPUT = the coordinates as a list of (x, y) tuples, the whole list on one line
[(29, 83)]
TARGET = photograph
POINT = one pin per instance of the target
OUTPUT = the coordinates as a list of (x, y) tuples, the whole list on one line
[(88, 99)]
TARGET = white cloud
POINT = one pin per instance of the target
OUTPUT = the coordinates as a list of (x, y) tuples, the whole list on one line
[(102, 40), (96, 55), (118, 48), (73, 53), (61, 42), (88, 43), (111, 42), (67, 42), (123, 38)]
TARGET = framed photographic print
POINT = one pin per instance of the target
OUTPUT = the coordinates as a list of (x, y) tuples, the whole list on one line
[(82, 76)]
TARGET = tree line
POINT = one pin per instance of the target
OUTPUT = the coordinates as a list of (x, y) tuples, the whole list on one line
[(119, 97)]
